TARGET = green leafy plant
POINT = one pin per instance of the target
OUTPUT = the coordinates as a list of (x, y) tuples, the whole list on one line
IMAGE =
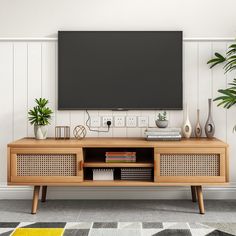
[(162, 116), (40, 114), (227, 96)]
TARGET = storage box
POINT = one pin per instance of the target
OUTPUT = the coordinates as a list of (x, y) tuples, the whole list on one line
[(103, 174)]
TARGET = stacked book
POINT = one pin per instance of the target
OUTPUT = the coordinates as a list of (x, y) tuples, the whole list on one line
[(163, 134), (136, 173), (115, 157)]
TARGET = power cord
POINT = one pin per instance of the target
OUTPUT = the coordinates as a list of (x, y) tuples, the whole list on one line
[(88, 124)]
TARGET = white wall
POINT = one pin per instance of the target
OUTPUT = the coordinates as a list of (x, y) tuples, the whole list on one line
[(197, 18), (28, 69)]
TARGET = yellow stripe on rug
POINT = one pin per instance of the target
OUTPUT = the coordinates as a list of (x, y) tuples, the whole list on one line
[(38, 232)]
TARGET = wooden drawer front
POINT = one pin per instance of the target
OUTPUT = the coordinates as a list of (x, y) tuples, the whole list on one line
[(189, 165), (48, 165), (45, 165), (186, 165)]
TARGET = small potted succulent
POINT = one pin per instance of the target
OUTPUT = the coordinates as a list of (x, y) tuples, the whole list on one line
[(40, 116), (162, 121)]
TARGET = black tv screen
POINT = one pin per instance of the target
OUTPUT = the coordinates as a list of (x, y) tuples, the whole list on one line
[(120, 70)]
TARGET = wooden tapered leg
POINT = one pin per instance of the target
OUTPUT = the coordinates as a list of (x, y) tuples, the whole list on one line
[(194, 193), (44, 194), (200, 199), (35, 199)]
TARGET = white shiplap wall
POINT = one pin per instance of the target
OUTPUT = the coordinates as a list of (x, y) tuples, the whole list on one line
[(28, 69)]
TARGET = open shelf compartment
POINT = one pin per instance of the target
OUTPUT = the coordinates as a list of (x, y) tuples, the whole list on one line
[(94, 158)]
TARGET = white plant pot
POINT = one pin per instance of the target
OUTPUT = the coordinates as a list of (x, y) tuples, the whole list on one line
[(161, 123), (40, 131)]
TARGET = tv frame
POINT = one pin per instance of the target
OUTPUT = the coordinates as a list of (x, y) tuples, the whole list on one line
[(120, 108)]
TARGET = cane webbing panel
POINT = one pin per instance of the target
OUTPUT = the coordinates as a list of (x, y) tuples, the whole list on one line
[(46, 165), (189, 164)]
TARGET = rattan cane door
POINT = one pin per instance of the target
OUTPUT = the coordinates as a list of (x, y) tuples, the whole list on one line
[(190, 165), (46, 165)]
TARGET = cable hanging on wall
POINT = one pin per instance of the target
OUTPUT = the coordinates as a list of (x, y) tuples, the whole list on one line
[(88, 124)]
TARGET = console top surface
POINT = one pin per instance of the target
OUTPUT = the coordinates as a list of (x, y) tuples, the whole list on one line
[(115, 142)]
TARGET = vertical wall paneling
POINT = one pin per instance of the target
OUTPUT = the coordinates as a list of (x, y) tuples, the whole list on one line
[(204, 81), (191, 79), (176, 118), (219, 82), (6, 103), (62, 117), (20, 90), (49, 79), (34, 76)]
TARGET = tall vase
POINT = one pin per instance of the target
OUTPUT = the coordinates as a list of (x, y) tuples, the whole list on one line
[(187, 128), (198, 127), (210, 126)]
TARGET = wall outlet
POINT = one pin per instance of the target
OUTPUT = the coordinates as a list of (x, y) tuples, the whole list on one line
[(131, 121), (143, 121), (95, 121), (105, 119), (119, 121)]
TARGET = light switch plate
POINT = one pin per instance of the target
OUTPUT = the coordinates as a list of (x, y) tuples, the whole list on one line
[(95, 121), (131, 121), (143, 121), (119, 121), (105, 119)]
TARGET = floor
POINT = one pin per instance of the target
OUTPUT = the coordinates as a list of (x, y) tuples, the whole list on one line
[(118, 210)]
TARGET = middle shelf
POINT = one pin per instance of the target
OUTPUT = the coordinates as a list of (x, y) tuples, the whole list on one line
[(104, 164)]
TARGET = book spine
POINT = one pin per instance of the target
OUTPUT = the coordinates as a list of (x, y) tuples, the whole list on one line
[(120, 154), (163, 133)]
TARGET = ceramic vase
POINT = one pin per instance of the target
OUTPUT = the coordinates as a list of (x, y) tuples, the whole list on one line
[(210, 126), (40, 131), (198, 127), (187, 128)]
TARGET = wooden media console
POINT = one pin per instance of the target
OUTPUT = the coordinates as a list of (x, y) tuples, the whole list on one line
[(189, 162)]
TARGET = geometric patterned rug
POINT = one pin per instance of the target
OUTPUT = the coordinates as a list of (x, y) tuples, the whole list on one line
[(116, 229)]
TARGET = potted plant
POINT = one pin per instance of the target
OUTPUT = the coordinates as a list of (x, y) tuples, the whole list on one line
[(227, 97), (162, 121), (40, 116)]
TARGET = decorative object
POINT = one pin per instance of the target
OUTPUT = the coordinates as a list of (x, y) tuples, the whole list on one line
[(227, 97), (209, 126), (162, 121), (198, 127), (40, 116), (79, 132), (187, 128), (62, 132), (103, 174)]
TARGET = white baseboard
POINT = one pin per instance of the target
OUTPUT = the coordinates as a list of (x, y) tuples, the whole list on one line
[(19, 192)]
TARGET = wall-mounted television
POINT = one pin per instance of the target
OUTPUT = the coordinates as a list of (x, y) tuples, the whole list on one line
[(120, 70)]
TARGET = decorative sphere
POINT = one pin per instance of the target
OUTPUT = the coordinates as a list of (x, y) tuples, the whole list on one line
[(79, 132)]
